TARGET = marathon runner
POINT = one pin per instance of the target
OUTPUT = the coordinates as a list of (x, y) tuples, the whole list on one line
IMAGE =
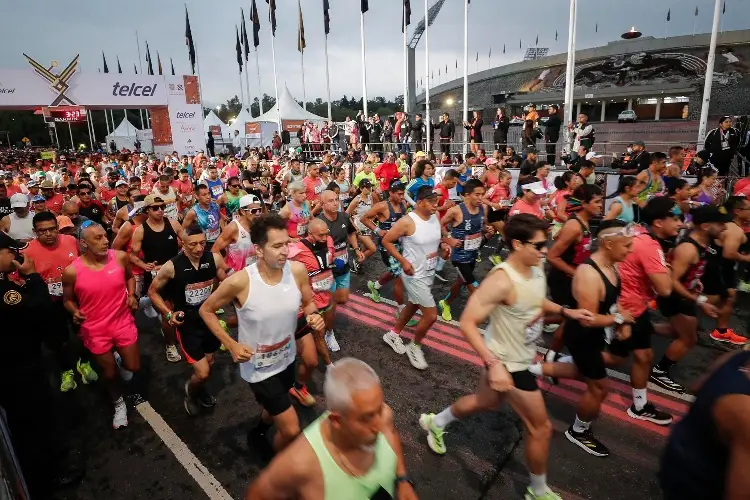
[(235, 237), (52, 200), (88, 206), (512, 296), (193, 274), (268, 296), (650, 180), (230, 199), (420, 236), (297, 212), (314, 185), (357, 209), (122, 212), (124, 238), (120, 200), (215, 185), (99, 292), (164, 190), (206, 214), (530, 200), (292, 176), (352, 451), (18, 224)]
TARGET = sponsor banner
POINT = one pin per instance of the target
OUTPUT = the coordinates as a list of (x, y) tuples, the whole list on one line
[(47, 155), (292, 126), (185, 115), (252, 129), (145, 135), (161, 131)]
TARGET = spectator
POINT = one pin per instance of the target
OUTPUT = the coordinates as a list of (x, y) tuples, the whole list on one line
[(583, 132), (475, 131), (552, 133), (210, 144), (723, 142), (529, 137), (501, 125), (417, 133), (236, 142), (639, 160), (447, 129), (387, 134)]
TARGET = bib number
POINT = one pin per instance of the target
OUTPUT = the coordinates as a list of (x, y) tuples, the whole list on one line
[(431, 262), (213, 234), (472, 242), (197, 293), (319, 189), (301, 229), (534, 331), (342, 254), (322, 282), (269, 355), (55, 289)]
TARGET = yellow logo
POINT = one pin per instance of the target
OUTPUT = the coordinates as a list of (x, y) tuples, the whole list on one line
[(12, 297), (723, 210), (58, 81)]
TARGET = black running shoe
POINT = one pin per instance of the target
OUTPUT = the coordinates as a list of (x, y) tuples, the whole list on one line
[(662, 379), (651, 414), (587, 442)]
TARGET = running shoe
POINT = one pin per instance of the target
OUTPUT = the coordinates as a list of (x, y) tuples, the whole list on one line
[(651, 414), (205, 399), (191, 405), (551, 327), (88, 375), (548, 495), (743, 286), (587, 442), (374, 292), (356, 268), (416, 356), (331, 341), (662, 379), (434, 433), (395, 341), (729, 336), (495, 259), (121, 415), (303, 396), (173, 355), (441, 276), (445, 310), (125, 374), (220, 311), (67, 381)]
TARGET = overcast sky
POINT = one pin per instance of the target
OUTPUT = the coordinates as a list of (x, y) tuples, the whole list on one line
[(48, 30)]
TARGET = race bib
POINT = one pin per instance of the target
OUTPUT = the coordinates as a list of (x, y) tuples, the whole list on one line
[(432, 260), (213, 234), (55, 289), (197, 293), (534, 331), (344, 196), (301, 229), (609, 331), (342, 254), (472, 242), (319, 189), (269, 355), (322, 282)]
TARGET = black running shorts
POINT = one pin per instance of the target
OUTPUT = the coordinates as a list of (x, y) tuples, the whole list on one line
[(561, 292), (586, 346), (674, 305), (524, 380), (640, 338), (273, 393), (466, 270), (196, 340)]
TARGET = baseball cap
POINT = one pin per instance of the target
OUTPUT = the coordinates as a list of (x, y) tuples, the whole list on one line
[(47, 185), (249, 199), (490, 161), (137, 209), (121, 183), (38, 198), (64, 221), (365, 183), (535, 187), (709, 213), (11, 243), (32, 184), (396, 185), (19, 200), (420, 154), (152, 199), (425, 192)]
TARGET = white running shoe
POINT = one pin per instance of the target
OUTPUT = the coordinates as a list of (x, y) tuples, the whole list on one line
[(394, 340), (125, 374), (121, 415), (331, 341), (173, 355), (416, 356)]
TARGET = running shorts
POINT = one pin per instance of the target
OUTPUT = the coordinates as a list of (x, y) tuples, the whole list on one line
[(102, 343), (196, 340), (419, 290), (341, 281), (273, 393), (561, 292), (524, 380), (390, 263), (466, 270), (640, 337), (586, 346), (719, 278), (674, 305)]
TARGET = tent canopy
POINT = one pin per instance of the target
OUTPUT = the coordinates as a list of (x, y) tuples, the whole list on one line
[(290, 110), (125, 136)]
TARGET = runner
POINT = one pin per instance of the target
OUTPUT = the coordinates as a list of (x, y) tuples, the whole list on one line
[(120, 200), (193, 275), (420, 236), (512, 296), (468, 223), (498, 199), (530, 200), (359, 206), (293, 175), (122, 212), (166, 192), (52, 200), (314, 185), (268, 295), (215, 186), (89, 207), (206, 214), (650, 180), (344, 236), (18, 224), (352, 451), (230, 199), (99, 292), (235, 237), (124, 238), (297, 212), (424, 171)]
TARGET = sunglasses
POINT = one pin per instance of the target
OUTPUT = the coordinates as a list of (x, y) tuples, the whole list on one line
[(156, 208), (254, 211), (84, 193), (538, 245), (234, 185)]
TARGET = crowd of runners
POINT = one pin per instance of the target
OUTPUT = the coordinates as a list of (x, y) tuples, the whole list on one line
[(254, 256)]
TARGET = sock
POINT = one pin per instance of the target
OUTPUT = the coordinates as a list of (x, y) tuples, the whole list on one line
[(565, 359), (722, 330), (536, 369), (580, 426), (640, 398), (415, 344), (538, 484), (444, 418), (665, 364), (119, 401), (447, 298), (377, 285)]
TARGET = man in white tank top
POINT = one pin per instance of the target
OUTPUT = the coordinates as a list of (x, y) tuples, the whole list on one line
[(18, 223), (268, 296), (513, 296), (420, 235)]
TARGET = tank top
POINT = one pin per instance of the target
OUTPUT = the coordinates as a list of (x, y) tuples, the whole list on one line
[(470, 232), (267, 322), (295, 177), (574, 255), (705, 198), (215, 187), (509, 335), (691, 280), (491, 178), (296, 226), (696, 459), (103, 298), (242, 253), (170, 202), (626, 214), (387, 224), (338, 484), (364, 206), (159, 246), (421, 248), (233, 202), (608, 305), (653, 187), (209, 220), (191, 286), (21, 228)]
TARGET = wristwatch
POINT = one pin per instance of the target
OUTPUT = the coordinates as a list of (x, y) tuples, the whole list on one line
[(619, 319), (404, 479)]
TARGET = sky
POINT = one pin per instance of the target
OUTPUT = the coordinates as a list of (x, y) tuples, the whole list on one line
[(59, 30)]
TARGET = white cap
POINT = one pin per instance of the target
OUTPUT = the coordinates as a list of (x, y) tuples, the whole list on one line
[(249, 199), (90, 170), (137, 207), (591, 155), (19, 200), (121, 183), (535, 187)]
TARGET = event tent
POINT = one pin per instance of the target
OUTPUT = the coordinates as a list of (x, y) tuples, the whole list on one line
[(212, 120), (125, 135)]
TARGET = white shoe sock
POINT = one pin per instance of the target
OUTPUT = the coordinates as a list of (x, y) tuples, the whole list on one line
[(536, 369), (444, 418), (538, 484), (640, 398), (401, 307), (580, 426)]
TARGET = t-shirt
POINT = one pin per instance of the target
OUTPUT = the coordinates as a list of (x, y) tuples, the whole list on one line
[(51, 262), (645, 258), (339, 230), (5, 207), (94, 212), (362, 175), (387, 172), (443, 194), (313, 188), (521, 207), (55, 204)]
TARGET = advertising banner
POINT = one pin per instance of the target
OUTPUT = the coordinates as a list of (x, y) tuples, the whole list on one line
[(292, 126), (185, 117), (252, 129)]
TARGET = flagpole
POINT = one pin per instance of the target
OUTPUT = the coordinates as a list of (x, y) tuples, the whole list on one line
[(140, 64), (247, 88), (426, 120), (364, 66), (91, 130), (406, 61), (301, 55), (260, 92), (709, 75), (569, 70), (328, 77), (275, 79)]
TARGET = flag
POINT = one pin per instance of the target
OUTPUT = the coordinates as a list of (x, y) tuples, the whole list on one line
[(696, 11), (238, 47), (104, 59), (438, 72), (503, 48), (326, 17), (245, 42), (158, 62), (456, 63), (555, 35), (519, 44), (256, 25), (119, 68), (272, 15), (148, 61), (537, 40), (724, 9), (189, 42), (596, 29), (407, 11), (171, 64), (301, 31), (669, 15), (490, 54), (135, 68), (365, 6), (446, 69), (477, 56)]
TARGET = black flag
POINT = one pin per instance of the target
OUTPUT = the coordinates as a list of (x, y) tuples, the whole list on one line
[(537, 40), (724, 9), (406, 14), (245, 42), (365, 6), (238, 47), (135, 68), (696, 11), (669, 15), (119, 68), (555, 35), (301, 44), (596, 28), (189, 42), (148, 61), (519, 44), (503, 48), (171, 63), (326, 17), (104, 59), (272, 15), (256, 25)]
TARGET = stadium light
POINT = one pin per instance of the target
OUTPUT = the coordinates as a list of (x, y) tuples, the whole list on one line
[(449, 102)]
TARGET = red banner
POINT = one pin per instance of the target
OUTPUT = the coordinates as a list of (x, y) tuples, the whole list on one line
[(215, 130), (252, 128), (292, 126)]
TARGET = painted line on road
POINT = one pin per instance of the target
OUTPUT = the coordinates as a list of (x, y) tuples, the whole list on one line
[(623, 377), (208, 483)]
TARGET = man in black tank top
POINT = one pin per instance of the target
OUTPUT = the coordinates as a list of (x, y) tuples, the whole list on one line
[(193, 274), (157, 237)]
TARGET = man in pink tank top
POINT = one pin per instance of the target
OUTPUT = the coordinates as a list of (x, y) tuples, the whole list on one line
[(99, 292)]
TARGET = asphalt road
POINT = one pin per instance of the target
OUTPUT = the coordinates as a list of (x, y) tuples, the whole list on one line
[(165, 453)]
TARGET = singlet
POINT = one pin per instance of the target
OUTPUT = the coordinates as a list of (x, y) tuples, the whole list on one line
[(470, 232), (653, 187), (696, 458), (103, 298), (421, 248), (691, 280), (267, 322), (295, 177), (608, 305), (321, 278), (21, 228), (209, 220), (387, 224), (159, 246), (242, 253), (491, 178), (215, 187), (705, 198), (233, 202), (170, 202), (344, 188), (626, 214), (296, 225), (313, 187), (509, 336), (574, 255), (338, 484), (191, 286), (364, 206)]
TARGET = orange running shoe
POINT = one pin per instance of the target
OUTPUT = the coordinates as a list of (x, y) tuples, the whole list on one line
[(728, 336), (301, 395), (652, 305)]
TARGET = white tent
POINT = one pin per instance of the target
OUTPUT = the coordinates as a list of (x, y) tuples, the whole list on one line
[(125, 135), (212, 120)]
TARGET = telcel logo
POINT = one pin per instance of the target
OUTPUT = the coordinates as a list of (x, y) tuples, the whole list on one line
[(133, 90), (185, 114)]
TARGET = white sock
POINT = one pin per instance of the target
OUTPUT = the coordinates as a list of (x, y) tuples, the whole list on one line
[(119, 402), (444, 418), (640, 398), (580, 426), (565, 359), (536, 369), (377, 285), (329, 332), (538, 484)]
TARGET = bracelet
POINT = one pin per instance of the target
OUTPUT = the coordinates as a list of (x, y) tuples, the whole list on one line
[(168, 317), (562, 311)]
